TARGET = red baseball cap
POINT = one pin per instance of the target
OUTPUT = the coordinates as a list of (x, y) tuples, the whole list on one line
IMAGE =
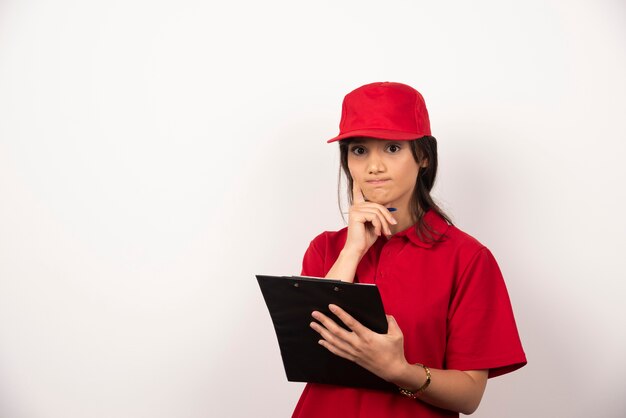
[(384, 110)]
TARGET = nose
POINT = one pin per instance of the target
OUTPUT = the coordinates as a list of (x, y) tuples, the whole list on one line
[(375, 162)]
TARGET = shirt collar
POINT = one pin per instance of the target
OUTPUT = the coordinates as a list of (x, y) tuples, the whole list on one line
[(435, 221)]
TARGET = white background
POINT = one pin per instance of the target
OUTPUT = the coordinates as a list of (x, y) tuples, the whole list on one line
[(155, 155)]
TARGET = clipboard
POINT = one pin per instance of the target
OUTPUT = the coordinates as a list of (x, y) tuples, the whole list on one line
[(291, 300)]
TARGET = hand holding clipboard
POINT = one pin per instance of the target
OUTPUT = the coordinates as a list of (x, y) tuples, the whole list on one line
[(290, 301)]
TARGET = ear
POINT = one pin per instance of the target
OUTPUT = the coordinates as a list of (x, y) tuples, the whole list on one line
[(424, 163)]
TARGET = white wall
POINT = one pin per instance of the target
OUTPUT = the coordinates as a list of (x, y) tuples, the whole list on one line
[(155, 155)]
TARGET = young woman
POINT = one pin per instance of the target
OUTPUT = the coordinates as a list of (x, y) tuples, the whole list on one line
[(451, 325)]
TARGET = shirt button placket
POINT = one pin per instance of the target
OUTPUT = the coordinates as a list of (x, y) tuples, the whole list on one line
[(380, 271)]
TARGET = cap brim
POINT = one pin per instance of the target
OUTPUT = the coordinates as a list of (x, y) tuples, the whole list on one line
[(379, 134)]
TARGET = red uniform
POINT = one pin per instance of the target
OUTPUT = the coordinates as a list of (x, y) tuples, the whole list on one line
[(449, 299)]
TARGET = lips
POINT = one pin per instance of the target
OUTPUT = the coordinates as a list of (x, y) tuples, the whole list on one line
[(377, 182)]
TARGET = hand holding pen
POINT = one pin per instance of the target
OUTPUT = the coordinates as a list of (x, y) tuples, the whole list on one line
[(367, 221)]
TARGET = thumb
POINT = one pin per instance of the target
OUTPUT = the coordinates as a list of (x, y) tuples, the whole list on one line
[(357, 194), (393, 326)]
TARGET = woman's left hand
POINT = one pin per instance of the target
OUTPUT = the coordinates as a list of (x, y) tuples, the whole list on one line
[(381, 354)]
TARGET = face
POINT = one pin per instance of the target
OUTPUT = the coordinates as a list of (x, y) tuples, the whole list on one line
[(385, 170)]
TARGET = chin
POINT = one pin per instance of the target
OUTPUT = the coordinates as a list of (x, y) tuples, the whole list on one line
[(381, 197), (383, 202)]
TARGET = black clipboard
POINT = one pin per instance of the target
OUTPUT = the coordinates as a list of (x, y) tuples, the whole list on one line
[(290, 301)]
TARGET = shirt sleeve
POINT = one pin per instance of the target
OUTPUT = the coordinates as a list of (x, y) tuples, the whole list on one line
[(482, 333), (313, 262)]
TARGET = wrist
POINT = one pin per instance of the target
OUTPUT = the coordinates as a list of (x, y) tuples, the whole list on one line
[(345, 266), (351, 254), (414, 393), (411, 377)]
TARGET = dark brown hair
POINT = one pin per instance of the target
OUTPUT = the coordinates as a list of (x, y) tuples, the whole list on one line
[(424, 148)]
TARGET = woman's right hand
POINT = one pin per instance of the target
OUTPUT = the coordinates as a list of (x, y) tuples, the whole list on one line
[(367, 221)]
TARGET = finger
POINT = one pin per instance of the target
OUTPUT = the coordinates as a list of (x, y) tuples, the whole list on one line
[(387, 214), (392, 324), (393, 329), (332, 327), (383, 222), (357, 194), (331, 338), (374, 216), (381, 209), (336, 350), (367, 215), (378, 227), (349, 321)]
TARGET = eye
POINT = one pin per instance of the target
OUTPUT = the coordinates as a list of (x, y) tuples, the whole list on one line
[(393, 148), (357, 150)]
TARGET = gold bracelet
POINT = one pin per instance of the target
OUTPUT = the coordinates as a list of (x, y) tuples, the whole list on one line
[(414, 394)]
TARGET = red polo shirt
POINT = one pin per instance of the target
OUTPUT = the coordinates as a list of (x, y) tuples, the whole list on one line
[(449, 299)]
